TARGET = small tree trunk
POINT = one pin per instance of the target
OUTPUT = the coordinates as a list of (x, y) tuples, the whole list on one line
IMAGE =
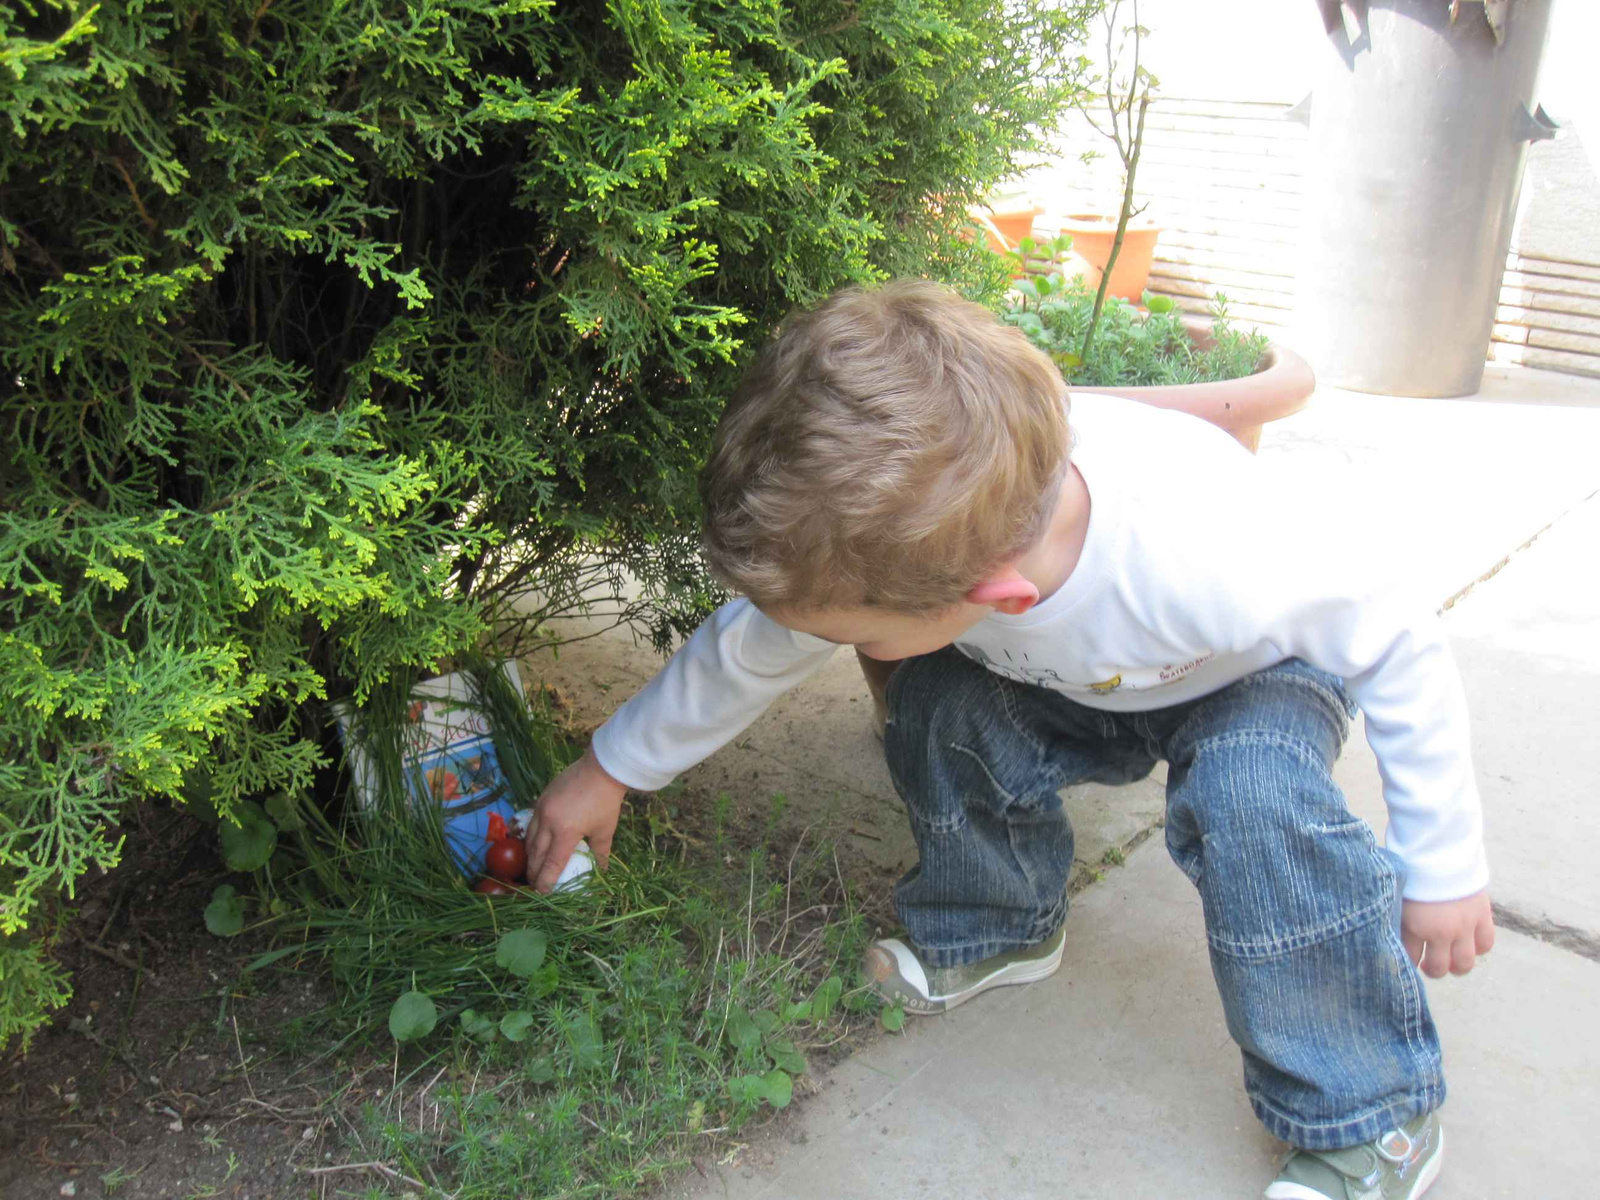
[(1123, 216)]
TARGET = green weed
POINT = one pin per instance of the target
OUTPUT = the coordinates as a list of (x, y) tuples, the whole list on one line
[(113, 1179)]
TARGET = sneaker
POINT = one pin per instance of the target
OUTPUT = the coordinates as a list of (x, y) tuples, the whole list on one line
[(1400, 1165), (899, 977)]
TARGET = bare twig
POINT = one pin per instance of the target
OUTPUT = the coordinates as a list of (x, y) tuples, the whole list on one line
[(116, 956), (145, 1076), (1123, 216), (144, 216), (379, 1168), (750, 914), (1129, 143), (716, 961), (788, 887), (244, 1067)]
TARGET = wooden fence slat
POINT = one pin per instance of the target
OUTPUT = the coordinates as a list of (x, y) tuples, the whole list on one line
[(1167, 286), (1247, 315), (1229, 253), (1579, 343), (1556, 268), (1231, 282), (1547, 318), (1191, 224), (1261, 169), (1546, 360), (1549, 285), (1257, 110), (1277, 129), (1513, 335)]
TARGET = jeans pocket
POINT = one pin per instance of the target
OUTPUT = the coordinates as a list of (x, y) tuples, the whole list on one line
[(1329, 880)]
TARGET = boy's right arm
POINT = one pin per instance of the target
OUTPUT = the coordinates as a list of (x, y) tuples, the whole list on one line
[(736, 664)]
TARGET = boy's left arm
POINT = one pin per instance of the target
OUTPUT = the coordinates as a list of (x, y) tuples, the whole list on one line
[(1396, 661), (1333, 609)]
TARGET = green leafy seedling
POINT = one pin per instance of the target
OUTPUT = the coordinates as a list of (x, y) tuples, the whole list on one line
[(747, 1089), (246, 846), (775, 1088), (225, 913), (514, 1026), (521, 951), (280, 806), (586, 1042), (743, 1032), (893, 1018), (826, 997), (785, 1055), (779, 1088), (412, 1016), (542, 982), (477, 1026), (1158, 304)]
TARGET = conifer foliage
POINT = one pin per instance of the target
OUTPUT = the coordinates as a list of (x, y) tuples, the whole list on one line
[(330, 327)]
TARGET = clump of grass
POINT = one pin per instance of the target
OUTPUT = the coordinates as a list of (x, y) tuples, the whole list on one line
[(663, 1005)]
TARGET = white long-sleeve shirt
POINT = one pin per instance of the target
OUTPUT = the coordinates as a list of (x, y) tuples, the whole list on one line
[(1197, 570)]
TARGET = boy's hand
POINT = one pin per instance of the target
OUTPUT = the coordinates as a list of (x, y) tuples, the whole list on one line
[(581, 802), (1447, 936)]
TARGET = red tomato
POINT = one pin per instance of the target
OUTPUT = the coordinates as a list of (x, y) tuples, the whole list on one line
[(493, 887), (506, 859)]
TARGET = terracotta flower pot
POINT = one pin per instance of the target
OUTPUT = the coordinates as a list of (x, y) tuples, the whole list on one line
[(1092, 236), (1011, 224), (1279, 388)]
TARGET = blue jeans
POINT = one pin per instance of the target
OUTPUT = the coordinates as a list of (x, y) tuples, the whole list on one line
[(1301, 904)]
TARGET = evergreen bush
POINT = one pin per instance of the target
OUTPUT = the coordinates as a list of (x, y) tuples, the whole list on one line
[(332, 332)]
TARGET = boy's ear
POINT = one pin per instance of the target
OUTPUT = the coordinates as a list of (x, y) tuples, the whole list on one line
[(1007, 591)]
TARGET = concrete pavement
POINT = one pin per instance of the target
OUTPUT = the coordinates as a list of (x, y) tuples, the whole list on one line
[(1116, 1078)]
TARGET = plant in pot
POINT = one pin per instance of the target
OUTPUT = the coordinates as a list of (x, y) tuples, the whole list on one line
[(1113, 252), (1235, 380)]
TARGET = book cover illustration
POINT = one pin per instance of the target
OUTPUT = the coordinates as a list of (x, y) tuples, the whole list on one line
[(449, 760)]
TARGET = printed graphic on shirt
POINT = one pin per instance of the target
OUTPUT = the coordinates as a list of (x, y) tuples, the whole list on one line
[(1021, 670)]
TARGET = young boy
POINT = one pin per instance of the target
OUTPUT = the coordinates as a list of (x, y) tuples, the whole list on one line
[(897, 473)]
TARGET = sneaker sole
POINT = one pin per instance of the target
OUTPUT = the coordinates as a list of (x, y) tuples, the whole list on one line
[(884, 968), (1431, 1171)]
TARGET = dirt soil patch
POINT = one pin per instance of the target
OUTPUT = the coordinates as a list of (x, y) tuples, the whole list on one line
[(171, 1075), (163, 1078)]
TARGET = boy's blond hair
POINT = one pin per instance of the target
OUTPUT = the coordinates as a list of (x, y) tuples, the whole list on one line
[(888, 449)]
